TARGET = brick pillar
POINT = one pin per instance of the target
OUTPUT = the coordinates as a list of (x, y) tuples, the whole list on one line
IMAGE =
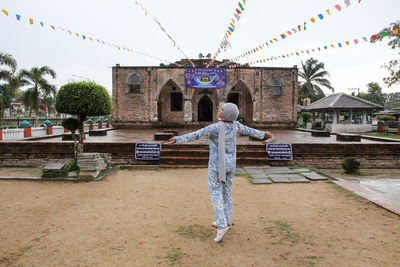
[(108, 124), (27, 132), (1, 134), (90, 126), (100, 125), (49, 130)]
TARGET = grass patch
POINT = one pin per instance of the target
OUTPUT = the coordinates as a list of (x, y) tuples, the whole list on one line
[(384, 135), (195, 231), (72, 166), (174, 256), (284, 232), (347, 193), (7, 261), (24, 249), (309, 261)]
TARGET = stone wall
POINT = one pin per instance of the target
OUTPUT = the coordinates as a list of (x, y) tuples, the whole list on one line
[(34, 154), (150, 105)]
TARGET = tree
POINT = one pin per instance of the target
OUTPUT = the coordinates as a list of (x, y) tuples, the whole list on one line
[(9, 61), (35, 78), (392, 32), (392, 100), (313, 78), (374, 94), (83, 99)]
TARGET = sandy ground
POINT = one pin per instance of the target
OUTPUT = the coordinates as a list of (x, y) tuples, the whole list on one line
[(161, 218)]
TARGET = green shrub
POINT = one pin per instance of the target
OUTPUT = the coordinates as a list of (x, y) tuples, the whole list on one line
[(386, 118), (306, 117), (71, 124), (351, 166), (72, 166)]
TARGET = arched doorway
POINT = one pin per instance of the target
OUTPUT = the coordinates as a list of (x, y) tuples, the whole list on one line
[(205, 109), (170, 103), (240, 95)]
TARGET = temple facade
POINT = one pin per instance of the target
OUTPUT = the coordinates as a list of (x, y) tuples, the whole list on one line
[(183, 94)]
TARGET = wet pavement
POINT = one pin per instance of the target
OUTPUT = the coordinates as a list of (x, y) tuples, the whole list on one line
[(146, 136), (388, 188)]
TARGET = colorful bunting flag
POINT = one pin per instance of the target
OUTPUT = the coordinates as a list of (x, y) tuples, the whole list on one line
[(338, 7), (320, 16), (31, 21), (18, 17), (395, 31), (347, 2), (5, 12)]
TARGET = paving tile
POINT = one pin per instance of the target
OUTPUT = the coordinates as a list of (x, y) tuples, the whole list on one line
[(278, 170), (301, 170), (239, 171), (258, 176), (279, 178), (297, 178), (261, 181), (314, 176), (254, 170)]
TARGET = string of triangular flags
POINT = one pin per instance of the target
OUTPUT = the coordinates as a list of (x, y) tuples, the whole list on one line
[(355, 41), (146, 12), (230, 29), (32, 21), (297, 29)]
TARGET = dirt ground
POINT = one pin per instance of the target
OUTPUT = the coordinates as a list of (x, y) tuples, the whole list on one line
[(162, 218)]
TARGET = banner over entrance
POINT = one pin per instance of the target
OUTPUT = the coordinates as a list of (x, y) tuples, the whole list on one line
[(205, 78)]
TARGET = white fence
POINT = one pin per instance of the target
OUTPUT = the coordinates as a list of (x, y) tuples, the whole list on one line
[(13, 134), (18, 134)]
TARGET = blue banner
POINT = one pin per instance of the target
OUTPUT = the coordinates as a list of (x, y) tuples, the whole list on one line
[(146, 151), (279, 151), (205, 78)]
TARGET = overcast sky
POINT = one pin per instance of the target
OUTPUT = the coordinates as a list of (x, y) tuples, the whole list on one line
[(197, 27)]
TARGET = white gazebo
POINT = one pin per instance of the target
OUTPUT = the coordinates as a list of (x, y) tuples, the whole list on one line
[(343, 113)]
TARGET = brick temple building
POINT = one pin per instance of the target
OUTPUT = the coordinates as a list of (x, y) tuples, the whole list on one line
[(181, 94)]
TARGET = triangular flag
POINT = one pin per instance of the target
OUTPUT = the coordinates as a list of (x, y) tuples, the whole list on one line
[(305, 25), (228, 32), (119, 48), (396, 31), (283, 36), (325, 47), (374, 36), (276, 40), (294, 30), (332, 46), (299, 27), (69, 32), (384, 34), (77, 34), (327, 11), (241, 7), (257, 49), (312, 20), (90, 38), (347, 42), (84, 37), (18, 17), (244, 1), (231, 29), (320, 16), (289, 32), (238, 11), (31, 21), (365, 39), (338, 7), (340, 45), (42, 24), (52, 27), (355, 41), (237, 16), (319, 48), (5, 12), (347, 2), (233, 26)]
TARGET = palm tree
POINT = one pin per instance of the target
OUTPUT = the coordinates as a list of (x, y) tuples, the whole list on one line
[(7, 60), (38, 83), (313, 74)]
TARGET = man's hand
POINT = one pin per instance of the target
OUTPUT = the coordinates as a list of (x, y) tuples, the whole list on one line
[(170, 141), (268, 135)]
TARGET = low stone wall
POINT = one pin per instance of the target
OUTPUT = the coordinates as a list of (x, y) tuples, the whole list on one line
[(38, 154)]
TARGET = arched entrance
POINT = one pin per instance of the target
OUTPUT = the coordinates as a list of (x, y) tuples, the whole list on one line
[(170, 103), (240, 95), (205, 109)]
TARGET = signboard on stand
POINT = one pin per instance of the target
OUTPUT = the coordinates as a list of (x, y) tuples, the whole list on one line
[(279, 151), (205, 78), (147, 151)]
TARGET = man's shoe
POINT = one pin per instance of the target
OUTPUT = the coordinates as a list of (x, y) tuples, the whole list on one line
[(216, 225), (220, 234)]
